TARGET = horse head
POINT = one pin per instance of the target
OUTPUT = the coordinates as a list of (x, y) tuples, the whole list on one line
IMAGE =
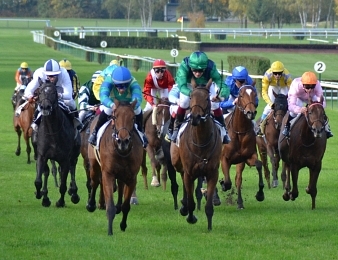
[(279, 107), (162, 115), (123, 125), (316, 118), (246, 101), (47, 98), (200, 105)]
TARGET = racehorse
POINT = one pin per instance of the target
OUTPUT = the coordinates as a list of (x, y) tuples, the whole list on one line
[(153, 127), (57, 140), (304, 148), (198, 153), (22, 124), (119, 158), (242, 148), (268, 143)]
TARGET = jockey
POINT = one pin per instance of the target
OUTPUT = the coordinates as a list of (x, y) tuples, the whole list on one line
[(52, 72), (23, 76), (123, 87), (87, 100), (240, 77), (108, 71), (158, 82), (202, 69), (74, 78), (277, 79), (302, 90)]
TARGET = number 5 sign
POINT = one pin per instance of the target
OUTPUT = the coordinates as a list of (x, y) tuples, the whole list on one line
[(320, 67)]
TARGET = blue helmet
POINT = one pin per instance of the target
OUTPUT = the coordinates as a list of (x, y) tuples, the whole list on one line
[(240, 73), (121, 75)]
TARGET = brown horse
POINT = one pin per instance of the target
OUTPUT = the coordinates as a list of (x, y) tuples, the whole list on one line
[(198, 154), (268, 143), (159, 115), (304, 148), (242, 148), (119, 158), (22, 124)]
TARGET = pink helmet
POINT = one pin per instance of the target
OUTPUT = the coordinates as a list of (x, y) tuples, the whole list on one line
[(159, 64)]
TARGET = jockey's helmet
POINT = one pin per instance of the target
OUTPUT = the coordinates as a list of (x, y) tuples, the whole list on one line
[(277, 66), (96, 74), (159, 64), (309, 78), (121, 75), (114, 62), (198, 60), (24, 65), (51, 67), (240, 73), (65, 64)]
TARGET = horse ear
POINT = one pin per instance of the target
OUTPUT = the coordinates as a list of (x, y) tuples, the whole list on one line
[(209, 83)]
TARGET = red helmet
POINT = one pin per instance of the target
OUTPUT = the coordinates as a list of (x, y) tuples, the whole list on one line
[(159, 64)]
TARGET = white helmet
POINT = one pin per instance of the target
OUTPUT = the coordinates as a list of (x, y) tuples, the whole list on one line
[(51, 67), (96, 74)]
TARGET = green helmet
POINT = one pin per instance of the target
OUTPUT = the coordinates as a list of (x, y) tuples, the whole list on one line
[(198, 60)]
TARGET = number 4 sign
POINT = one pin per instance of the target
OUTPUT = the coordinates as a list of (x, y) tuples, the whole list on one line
[(320, 67)]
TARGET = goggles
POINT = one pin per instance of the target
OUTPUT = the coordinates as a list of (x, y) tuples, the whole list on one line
[(159, 70), (198, 70), (121, 86), (278, 73)]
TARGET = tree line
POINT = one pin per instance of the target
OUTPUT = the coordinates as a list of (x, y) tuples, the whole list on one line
[(267, 13)]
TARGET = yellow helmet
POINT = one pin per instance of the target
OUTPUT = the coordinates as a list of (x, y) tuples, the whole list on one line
[(277, 66), (65, 64), (24, 65), (114, 62), (309, 78)]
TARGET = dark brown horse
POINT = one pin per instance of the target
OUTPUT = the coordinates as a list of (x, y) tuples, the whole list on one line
[(22, 124), (304, 148), (242, 148), (154, 121), (198, 154), (119, 158), (56, 140), (268, 143)]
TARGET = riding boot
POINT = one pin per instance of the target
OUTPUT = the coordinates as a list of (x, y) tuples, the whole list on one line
[(226, 138), (76, 120), (328, 131), (36, 120), (286, 130), (139, 122), (177, 125), (171, 126), (103, 117)]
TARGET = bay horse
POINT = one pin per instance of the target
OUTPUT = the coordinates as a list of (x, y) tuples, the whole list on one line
[(159, 116), (119, 158), (242, 148), (22, 125), (56, 140), (268, 143), (305, 147), (198, 153)]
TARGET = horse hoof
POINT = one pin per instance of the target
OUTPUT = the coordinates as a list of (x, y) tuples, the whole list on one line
[(134, 201), (17, 152), (286, 197), (274, 183), (155, 182), (183, 211), (38, 195), (260, 196), (192, 220), (241, 206), (91, 208), (60, 204), (75, 198), (46, 202), (225, 185), (307, 190)]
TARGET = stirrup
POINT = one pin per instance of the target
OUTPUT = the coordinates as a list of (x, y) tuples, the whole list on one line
[(226, 139), (286, 131), (92, 138), (174, 136)]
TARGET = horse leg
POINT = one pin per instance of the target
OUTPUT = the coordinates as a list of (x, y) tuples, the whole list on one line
[(94, 172), (45, 200), (156, 167), (283, 174), (107, 182), (120, 192), (134, 199), (312, 187), (173, 181), (239, 171), (54, 173), (63, 185), (28, 147), (128, 190), (294, 174), (226, 183), (144, 170), (274, 159), (72, 191), (263, 155), (198, 192), (209, 207), (164, 177), (184, 200), (189, 186), (18, 148), (260, 192), (287, 186), (40, 169)]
